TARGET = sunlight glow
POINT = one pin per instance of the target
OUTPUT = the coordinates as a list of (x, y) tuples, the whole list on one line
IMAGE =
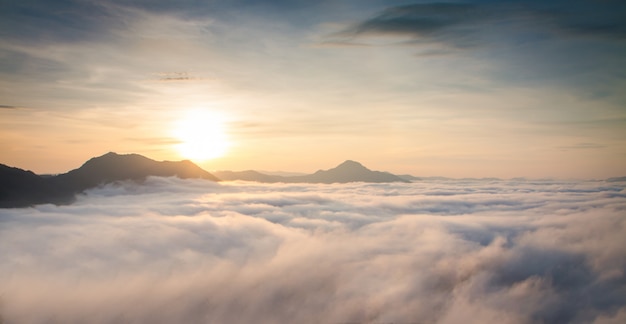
[(202, 135)]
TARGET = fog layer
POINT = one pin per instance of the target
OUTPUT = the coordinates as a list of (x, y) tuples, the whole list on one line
[(193, 251)]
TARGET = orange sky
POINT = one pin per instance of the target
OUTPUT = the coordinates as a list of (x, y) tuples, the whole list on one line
[(321, 84)]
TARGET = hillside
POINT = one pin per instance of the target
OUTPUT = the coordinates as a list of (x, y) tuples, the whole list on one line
[(21, 188)]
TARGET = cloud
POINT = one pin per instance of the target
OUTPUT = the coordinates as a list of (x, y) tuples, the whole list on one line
[(575, 44), (176, 77), (174, 250), (66, 20), (583, 146), (419, 20), (7, 107), (469, 24)]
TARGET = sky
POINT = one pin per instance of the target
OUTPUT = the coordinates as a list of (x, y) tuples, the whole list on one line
[(459, 89), (196, 251)]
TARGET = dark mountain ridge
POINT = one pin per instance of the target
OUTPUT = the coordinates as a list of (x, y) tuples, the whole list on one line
[(249, 175), (20, 188), (348, 171), (115, 167)]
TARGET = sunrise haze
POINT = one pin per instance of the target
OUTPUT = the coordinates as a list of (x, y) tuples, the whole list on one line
[(298, 161), (468, 89)]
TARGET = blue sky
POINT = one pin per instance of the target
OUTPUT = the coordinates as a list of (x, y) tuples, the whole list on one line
[(468, 88)]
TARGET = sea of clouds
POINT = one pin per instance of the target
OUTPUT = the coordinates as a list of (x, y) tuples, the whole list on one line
[(435, 251)]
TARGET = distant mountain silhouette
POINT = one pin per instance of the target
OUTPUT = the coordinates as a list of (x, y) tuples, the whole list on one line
[(409, 177), (282, 173), (249, 175), (115, 167), (20, 188), (348, 171)]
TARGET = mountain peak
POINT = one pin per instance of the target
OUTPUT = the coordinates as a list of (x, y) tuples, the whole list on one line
[(113, 155), (351, 167), (113, 159), (349, 171), (112, 167), (351, 164), (21, 188)]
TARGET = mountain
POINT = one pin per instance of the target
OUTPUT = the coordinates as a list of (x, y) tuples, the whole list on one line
[(20, 188), (249, 175), (281, 173), (409, 177), (113, 167), (348, 171)]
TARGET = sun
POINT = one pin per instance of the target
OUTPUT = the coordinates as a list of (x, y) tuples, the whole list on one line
[(202, 135)]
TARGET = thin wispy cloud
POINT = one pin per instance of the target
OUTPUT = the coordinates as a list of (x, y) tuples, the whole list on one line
[(434, 251), (461, 24), (552, 41), (176, 76), (582, 146), (422, 20)]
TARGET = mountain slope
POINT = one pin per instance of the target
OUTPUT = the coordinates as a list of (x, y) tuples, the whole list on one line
[(249, 175), (348, 171), (20, 188), (409, 177), (113, 167)]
